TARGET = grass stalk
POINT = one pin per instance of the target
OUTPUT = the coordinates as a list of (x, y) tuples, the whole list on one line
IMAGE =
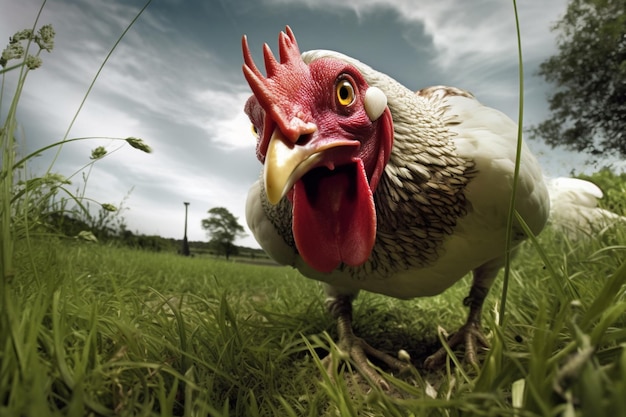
[(509, 223)]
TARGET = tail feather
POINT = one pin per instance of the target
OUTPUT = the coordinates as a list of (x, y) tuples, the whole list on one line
[(574, 208)]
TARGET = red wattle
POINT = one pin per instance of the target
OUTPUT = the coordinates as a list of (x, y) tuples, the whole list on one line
[(336, 221)]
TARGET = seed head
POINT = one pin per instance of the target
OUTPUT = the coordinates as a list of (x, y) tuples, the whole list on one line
[(45, 37), (22, 35), (109, 207), (32, 62), (54, 178), (12, 51), (139, 144), (86, 235), (98, 153)]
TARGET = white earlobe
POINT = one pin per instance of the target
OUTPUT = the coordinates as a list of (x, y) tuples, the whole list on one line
[(375, 103)]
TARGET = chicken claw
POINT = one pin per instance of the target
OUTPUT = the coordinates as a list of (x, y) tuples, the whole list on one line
[(356, 348), (470, 334)]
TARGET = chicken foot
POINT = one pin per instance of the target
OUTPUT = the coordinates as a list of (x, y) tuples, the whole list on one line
[(470, 334), (355, 347)]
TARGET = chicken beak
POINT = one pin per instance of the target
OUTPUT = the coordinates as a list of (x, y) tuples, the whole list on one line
[(285, 163)]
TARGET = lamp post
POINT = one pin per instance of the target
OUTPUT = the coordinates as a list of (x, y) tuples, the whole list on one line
[(185, 242)]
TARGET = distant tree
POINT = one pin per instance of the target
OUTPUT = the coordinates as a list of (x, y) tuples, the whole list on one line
[(223, 228), (589, 104)]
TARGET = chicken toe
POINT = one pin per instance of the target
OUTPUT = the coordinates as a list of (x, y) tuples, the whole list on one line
[(357, 349), (470, 334)]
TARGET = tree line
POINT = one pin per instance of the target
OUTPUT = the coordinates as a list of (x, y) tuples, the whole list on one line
[(106, 226)]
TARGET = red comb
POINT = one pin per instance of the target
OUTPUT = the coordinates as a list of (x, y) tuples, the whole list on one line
[(288, 51), (282, 80)]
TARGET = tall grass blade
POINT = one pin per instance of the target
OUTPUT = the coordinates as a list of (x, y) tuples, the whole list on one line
[(509, 222)]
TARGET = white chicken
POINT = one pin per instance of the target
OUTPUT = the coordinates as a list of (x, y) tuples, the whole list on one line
[(368, 185)]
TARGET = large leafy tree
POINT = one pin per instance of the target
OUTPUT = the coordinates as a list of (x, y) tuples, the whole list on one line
[(589, 103), (223, 228)]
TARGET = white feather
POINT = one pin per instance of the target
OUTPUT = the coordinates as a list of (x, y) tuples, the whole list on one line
[(489, 137), (574, 207)]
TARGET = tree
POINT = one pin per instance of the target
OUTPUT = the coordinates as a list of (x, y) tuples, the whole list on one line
[(223, 228), (589, 104)]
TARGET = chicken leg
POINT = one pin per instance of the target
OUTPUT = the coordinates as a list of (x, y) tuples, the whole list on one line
[(471, 334), (358, 349)]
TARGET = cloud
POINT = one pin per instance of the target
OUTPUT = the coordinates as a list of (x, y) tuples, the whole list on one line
[(459, 30), (223, 120)]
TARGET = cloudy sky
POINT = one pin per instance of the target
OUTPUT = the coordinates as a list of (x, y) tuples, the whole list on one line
[(175, 81)]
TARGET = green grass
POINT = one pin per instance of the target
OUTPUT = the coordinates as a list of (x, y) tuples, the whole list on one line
[(93, 329)]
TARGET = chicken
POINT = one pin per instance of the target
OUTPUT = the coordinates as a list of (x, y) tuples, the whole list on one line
[(367, 185)]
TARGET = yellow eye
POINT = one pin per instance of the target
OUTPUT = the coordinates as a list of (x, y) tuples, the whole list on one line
[(345, 93), (255, 131)]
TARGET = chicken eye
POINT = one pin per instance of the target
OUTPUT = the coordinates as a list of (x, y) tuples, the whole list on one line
[(345, 93), (255, 131)]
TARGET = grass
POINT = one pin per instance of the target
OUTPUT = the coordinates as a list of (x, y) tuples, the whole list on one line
[(137, 332), (93, 329), (90, 329)]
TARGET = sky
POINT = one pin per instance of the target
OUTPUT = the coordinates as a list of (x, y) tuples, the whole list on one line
[(175, 81)]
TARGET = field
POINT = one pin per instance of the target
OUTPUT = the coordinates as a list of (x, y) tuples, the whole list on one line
[(89, 329)]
